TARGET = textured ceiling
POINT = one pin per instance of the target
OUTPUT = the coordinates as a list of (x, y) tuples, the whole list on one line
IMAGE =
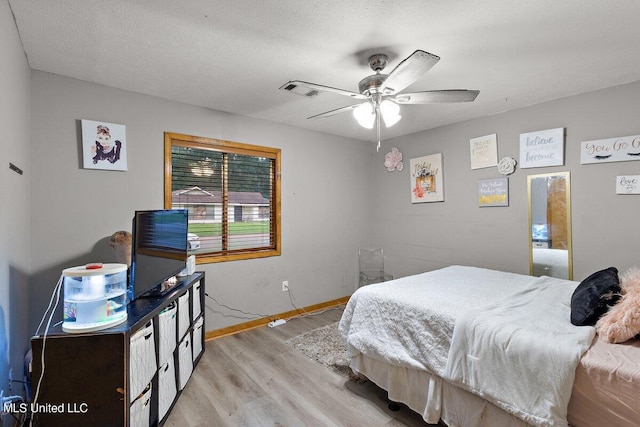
[(233, 55)]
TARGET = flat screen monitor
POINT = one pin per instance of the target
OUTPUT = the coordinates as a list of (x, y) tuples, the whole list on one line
[(159, 250), (539, 232)]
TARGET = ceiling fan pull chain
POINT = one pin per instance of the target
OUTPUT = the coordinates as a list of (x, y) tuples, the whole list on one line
[(378, 127)]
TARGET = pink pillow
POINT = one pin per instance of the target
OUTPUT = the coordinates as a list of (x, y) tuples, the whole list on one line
[(622, 321)]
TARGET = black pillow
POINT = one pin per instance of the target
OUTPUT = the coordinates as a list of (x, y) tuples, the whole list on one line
[(593, 297)]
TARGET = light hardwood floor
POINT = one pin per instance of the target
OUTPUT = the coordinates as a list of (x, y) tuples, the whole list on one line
[(254, 378)]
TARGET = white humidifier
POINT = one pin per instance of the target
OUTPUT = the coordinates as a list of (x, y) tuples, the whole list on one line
[(95, 297)]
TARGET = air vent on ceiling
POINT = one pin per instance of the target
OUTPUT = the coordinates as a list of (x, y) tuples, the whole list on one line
[(299, 90)]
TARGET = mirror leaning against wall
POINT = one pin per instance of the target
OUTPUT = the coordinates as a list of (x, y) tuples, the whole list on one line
[(549, 198)]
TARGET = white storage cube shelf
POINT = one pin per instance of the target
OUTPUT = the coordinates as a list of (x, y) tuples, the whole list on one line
[(142, 360)]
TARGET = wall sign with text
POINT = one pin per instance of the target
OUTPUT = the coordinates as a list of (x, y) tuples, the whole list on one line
[(628, 184), (484, 151), (621, 149), (493, 192), (542, 148)]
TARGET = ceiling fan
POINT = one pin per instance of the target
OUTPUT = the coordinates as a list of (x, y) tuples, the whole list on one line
[(381, 93)]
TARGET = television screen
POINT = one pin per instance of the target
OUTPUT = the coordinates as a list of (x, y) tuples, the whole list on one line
[(159, 249), (539, 232)]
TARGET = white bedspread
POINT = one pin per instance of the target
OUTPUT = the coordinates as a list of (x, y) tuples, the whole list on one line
[(523, 360), (409, 321), (521, 352)]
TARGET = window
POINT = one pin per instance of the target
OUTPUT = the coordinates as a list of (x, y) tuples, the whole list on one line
[(232, 193)]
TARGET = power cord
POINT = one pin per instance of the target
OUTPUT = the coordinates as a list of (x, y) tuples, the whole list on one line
[(247, 313), (9, 399), (53, 294), (7, 402), (273, 317), (56, 293), (306, 313), (292, 298)]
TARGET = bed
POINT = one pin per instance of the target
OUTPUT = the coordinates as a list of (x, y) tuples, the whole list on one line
[(478, 347)]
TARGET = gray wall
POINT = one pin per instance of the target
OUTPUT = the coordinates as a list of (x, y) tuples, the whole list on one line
[(421, 237), (326, 196), (14, 208)]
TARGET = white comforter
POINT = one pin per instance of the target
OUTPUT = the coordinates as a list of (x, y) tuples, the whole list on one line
[(521, 352), (410, 321)]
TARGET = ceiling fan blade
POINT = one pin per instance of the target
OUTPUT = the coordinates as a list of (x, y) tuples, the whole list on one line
[(427, 97), (336, 111), (311, 89), (408, 71)]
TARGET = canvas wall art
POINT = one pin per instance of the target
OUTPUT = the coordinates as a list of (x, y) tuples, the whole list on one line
[(621, 149), (542, 148), (104, 145), (427, 179), (493, 192), (484, 151), (628, 184)]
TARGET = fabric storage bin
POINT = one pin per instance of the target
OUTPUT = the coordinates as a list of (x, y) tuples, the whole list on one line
[(167, 332), (185, 361), (196, 338), (139, 411), (142, 360), (197, 288), (184, 321), (166, 387)]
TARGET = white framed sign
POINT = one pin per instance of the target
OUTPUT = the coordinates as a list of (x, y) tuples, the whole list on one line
[(628, 184), (621, 149), (484, 151), (542, 148)]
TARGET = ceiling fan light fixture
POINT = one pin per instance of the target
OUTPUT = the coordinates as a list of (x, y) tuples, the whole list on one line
[(390, 112), (365, 115), (382, 94)]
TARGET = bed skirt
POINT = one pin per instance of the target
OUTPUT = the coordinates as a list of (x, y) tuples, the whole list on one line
[(432, 397)]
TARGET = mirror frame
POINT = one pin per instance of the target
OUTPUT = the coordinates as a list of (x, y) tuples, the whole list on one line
[(567, 176)]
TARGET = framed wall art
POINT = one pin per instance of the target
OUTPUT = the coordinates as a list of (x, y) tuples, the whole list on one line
[(621, 149), (493, 192), (484, 151), (628, 184), (542, 148), (104, 145), (427, 179)]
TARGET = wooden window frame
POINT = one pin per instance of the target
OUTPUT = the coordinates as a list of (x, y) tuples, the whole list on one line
[(222, 146)]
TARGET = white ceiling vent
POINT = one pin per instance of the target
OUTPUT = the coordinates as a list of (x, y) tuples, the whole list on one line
[(299, 90)]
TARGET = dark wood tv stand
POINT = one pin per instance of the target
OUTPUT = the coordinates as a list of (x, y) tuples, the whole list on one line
[(88, 377)]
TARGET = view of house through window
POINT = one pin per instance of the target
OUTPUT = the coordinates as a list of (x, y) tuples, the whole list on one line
[(232, 193)]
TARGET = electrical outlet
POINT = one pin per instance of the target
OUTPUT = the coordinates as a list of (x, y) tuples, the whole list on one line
[(285, 286)]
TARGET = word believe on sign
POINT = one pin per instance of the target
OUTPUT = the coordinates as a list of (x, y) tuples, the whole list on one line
[(542, 148)]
